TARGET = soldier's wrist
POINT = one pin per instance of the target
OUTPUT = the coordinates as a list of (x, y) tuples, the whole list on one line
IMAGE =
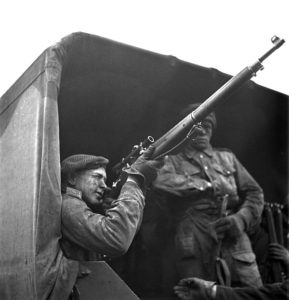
[(132, 178), (213, 291), (139, 180)]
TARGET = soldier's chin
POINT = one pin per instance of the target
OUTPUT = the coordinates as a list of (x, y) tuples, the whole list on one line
[(98, 201), (200, 145), (94, 202)]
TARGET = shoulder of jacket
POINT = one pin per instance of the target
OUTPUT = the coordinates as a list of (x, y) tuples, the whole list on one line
[(225, 155), (171, 158), (68, 196), (227, 150), (68, 199)]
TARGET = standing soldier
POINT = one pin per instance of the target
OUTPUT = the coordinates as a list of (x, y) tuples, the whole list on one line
[(212, 202)]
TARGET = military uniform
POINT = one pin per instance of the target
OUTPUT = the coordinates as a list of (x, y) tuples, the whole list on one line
[(82, 229), (197, 186)]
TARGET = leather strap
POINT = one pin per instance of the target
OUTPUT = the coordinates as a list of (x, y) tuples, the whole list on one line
[(223, 272)]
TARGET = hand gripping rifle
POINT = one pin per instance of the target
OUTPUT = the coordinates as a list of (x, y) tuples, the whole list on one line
[(278, 222), (195, 117), (276, 268), (135, 152)]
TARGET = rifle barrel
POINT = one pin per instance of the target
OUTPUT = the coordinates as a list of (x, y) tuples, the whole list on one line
[(215, 99)]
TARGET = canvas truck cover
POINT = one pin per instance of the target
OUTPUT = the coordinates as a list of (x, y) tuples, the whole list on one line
[(88, 94), (30, 182)]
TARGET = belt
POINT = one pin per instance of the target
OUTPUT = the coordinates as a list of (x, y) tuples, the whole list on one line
[(207, 206)]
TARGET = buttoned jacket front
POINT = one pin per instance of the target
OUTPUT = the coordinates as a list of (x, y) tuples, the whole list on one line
[(199, 187), (192, 175)]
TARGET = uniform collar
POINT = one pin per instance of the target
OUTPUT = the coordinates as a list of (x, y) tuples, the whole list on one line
[(191, 152), (73, 192)]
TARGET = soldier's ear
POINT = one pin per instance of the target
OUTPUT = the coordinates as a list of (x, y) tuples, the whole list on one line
[(71, 179)]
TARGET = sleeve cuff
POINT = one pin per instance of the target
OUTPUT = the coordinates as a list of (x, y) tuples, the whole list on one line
[(245, 216)]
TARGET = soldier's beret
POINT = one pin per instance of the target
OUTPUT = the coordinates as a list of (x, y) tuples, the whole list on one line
[(210, 117), (80, 162)]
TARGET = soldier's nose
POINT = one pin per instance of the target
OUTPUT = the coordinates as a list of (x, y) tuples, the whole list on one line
[(200, 131)]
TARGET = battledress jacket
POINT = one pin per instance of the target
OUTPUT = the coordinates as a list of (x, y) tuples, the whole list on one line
[(85, 233), (195, 184)]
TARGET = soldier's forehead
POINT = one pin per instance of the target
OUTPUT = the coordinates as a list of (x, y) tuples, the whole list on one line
[(207, 121), (96, 171)]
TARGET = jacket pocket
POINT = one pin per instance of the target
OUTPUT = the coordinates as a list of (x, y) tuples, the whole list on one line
[(245, 270), (191, 170), (225, 170), (246, 258), (185, 243), (185, 246)]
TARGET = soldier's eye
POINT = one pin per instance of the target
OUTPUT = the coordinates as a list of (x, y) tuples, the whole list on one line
[(206, 126)]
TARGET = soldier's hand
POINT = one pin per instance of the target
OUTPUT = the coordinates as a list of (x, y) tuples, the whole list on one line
[(195, 289), (231, 226), (279, 252), (145, 166), (107, 203)]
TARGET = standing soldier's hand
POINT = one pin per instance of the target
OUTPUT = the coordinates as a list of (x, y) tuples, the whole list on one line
[(279, 252), (195, 289), (231, 226)]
